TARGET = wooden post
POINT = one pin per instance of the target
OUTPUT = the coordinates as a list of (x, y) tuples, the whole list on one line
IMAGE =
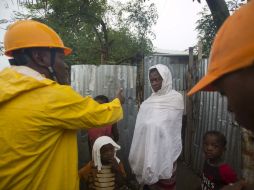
[(189, 108), (140, 79)]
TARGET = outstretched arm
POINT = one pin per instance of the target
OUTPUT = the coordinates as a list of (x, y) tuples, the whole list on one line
[(239, 185), (67, 109)]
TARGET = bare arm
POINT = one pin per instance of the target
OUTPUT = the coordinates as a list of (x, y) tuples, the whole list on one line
[(240, 185)]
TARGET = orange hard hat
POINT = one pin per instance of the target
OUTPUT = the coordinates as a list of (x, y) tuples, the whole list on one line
[(30, 33), (233, 47)]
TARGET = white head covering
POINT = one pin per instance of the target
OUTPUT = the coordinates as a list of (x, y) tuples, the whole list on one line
[(156, 142), (166, 97), (166, 76), (96, 154)]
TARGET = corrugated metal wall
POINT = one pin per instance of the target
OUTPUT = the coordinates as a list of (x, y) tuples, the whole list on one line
[(106, 79), (209, 109), (210, 113)]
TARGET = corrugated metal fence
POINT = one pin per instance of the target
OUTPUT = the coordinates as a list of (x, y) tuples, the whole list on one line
[(209, 109), (210, 113), (91, 80)]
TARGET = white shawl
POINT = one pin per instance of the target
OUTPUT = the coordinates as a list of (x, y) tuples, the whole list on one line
[(156, 142), (96, 154)]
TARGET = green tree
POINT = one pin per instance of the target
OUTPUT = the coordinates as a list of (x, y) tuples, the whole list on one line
[(87, 27), (207, 26), (140, 18), (206, 30), (219, 11)]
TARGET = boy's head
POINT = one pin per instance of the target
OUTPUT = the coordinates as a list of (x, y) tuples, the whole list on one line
[(214, 145), (104, 151), (101, 99), (107, 153)]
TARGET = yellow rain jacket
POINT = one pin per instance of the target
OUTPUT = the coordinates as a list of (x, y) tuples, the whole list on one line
[(38, 123)]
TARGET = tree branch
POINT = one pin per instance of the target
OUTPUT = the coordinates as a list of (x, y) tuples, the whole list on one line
[(219, 11)]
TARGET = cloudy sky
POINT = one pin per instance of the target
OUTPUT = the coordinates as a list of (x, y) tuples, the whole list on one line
[(175, 29)]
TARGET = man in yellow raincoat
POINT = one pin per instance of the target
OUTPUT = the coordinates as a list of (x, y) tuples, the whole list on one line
[(39, 114)]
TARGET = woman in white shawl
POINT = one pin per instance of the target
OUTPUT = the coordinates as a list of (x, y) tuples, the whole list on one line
[(156, 142)]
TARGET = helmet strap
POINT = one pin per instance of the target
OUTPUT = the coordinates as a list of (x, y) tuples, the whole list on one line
[(22, 57), (51, 68)]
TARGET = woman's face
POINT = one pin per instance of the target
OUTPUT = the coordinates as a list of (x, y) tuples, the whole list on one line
[(155, 80)]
